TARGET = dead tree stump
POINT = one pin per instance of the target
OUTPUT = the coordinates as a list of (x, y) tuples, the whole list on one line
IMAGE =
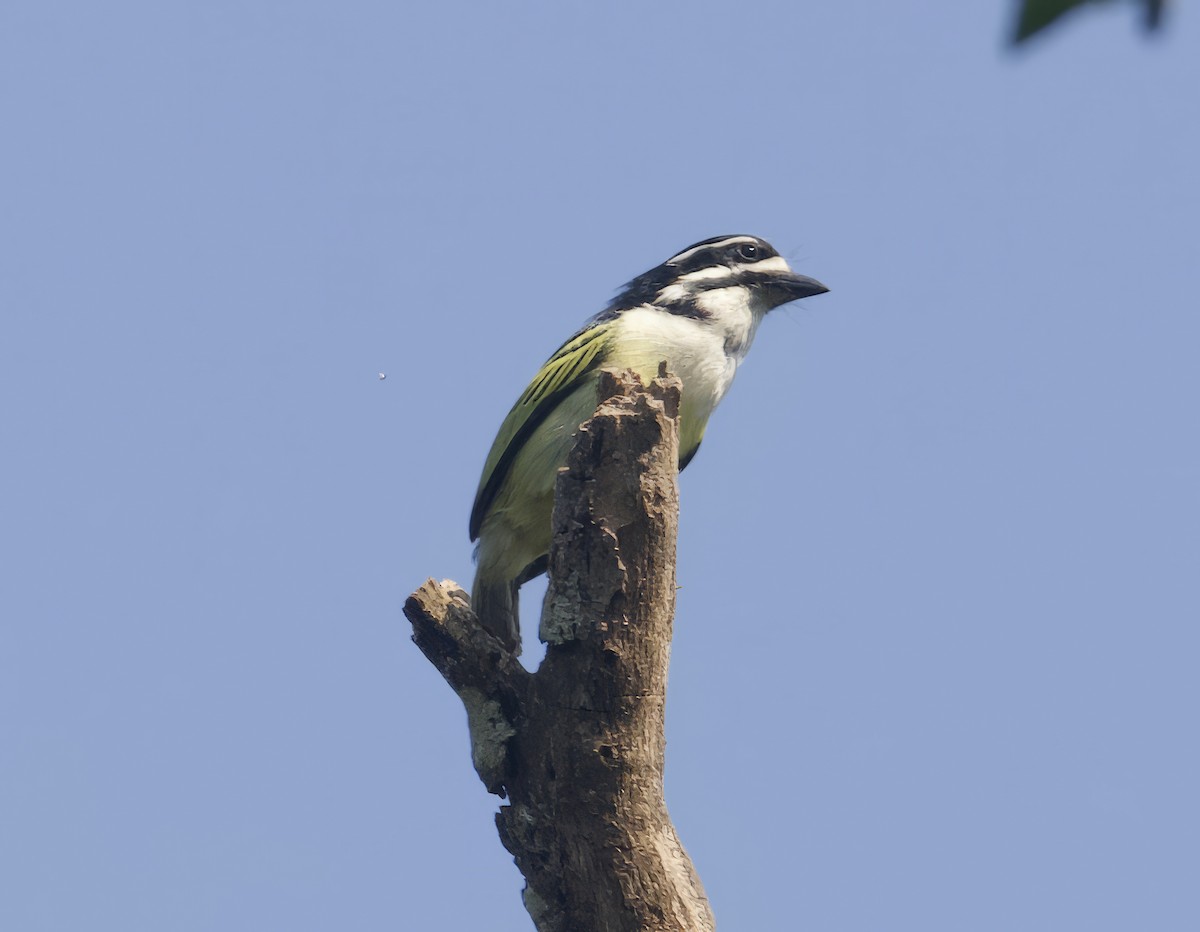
[(577, 747)]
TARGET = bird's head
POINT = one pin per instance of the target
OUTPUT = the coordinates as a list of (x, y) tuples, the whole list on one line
[(721, 272)]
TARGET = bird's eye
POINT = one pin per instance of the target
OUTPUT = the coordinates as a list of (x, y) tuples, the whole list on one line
[(748, 251)]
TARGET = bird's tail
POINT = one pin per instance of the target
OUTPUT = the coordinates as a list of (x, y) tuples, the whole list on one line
[(495, 602)]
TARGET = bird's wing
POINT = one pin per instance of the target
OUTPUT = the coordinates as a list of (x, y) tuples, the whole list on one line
[(562, 373)]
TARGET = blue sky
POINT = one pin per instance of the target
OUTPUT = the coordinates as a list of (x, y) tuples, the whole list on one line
[(936, 650)]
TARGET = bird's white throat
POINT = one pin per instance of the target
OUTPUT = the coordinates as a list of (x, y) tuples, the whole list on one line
[(703, 352)]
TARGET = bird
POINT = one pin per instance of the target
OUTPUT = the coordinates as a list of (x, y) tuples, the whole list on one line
[(698, 311)]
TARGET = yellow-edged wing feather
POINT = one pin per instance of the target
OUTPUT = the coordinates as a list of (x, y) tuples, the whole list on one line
[(562, 373)]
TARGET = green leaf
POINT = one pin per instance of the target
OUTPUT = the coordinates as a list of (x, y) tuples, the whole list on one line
[(1036, 15)]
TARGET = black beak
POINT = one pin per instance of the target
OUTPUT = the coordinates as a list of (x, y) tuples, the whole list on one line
[(793, 287)]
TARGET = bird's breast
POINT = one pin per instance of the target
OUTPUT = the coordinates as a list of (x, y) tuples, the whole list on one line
[(703, 353)]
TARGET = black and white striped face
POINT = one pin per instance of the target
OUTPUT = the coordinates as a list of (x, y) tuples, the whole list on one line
[(682, 283)]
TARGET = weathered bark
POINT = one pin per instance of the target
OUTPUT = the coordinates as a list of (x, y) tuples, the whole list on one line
[(577, 747)]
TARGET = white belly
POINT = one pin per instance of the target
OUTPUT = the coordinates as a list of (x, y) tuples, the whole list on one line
[(704, 354)]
